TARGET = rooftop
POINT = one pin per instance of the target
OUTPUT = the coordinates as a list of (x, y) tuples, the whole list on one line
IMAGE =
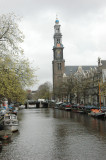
[(72, 69)]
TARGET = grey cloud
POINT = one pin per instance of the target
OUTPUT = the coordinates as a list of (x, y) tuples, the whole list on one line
[(82, 25)]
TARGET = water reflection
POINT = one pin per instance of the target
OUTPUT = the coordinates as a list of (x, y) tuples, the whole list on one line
[(92, 124), (47, 134), (79, 135)]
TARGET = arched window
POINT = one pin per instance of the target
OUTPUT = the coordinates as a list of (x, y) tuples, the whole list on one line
[(59, 66), (58, 40)]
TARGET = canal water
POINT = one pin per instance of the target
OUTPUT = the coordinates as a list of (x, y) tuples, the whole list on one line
[(48, 134)]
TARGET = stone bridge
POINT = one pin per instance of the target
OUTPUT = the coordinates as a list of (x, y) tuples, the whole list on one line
[(36, 103)]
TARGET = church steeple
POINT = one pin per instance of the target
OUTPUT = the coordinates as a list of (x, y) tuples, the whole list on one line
[(58, 46), (57, 34), (58, 62), (56, 21)]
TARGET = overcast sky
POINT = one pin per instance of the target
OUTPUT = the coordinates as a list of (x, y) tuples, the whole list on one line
[(83, 26)]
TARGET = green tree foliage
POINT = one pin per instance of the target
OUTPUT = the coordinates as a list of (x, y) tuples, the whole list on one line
[(15, 70), (10, 87), (44, 91)]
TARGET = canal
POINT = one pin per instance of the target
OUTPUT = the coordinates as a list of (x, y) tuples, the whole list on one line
[(48, 134)]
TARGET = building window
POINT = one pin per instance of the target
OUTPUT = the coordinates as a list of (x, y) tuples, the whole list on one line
[(57, 30), (59, 66), (58, 40)]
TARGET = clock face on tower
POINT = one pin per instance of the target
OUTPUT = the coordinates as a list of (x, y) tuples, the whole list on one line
[(58, 53)]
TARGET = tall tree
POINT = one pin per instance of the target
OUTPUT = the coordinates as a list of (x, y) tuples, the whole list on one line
[(10, 35), (15, 71), (44, 91)]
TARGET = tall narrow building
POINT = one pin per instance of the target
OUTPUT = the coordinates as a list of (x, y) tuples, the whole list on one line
[(58, 62)]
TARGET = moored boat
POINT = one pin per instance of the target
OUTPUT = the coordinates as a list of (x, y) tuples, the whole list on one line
[(81, 108), (11, 122), (97, 113), (74, 107), (89, 107), (0, 145), (68, 107), (5, 134), (57, 105)]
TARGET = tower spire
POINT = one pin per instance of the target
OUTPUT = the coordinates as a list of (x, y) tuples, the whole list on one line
[(56, 21), (56, 16), (58, 61)]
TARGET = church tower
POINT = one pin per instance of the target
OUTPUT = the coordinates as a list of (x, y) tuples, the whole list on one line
[(58, 63)]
